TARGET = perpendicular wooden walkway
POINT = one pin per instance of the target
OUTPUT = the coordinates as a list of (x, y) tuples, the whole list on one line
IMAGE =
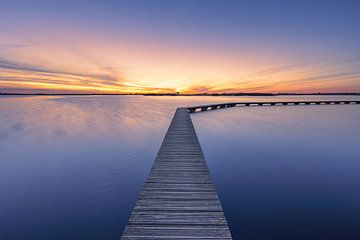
[(202, 108), (179, 200)]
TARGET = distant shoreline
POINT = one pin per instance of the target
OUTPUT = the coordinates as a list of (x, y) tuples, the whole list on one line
[(176, 94)]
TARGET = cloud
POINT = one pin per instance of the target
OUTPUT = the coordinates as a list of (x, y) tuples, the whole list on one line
[(275, 70), (199, 89), (12, 46), (233, 89), (326, 78), (20, 75), (16, 76), (6, 64)]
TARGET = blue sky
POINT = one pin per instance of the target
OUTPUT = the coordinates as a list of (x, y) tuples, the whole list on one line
[(168, 45)]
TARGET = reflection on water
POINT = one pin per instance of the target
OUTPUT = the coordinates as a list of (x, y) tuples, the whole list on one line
[(286, 172), (72, 167)]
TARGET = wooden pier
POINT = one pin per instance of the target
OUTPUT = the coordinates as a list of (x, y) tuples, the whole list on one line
[(179, 200), (202, 108)]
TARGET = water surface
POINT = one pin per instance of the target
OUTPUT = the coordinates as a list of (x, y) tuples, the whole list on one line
[(286, 172), (72, 167)]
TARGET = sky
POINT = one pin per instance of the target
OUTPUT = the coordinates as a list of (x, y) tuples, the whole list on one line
[(186, 46)]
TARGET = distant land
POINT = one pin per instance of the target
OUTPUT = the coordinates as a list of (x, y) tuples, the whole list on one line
[(184, 94)]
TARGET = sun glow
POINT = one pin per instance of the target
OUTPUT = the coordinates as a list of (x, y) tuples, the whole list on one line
[(79, 61)]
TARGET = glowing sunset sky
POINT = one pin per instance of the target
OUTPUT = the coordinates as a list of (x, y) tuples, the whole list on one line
[(187, 45)]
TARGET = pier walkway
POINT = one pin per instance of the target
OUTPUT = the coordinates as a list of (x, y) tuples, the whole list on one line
[(202, 108), (179, 200)]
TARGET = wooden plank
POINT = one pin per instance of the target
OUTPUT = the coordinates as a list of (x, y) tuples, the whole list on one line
[(179, 200)]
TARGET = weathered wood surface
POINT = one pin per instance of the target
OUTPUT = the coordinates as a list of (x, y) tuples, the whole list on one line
[(179, 200), (202, 108)]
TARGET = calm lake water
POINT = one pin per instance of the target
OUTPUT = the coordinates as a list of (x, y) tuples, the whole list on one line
[(72, 167)]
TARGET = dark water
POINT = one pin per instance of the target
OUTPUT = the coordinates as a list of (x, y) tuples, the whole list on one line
[(72, 167), (286, 173)]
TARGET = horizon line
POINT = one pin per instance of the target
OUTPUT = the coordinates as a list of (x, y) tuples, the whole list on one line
[(187, 94)]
